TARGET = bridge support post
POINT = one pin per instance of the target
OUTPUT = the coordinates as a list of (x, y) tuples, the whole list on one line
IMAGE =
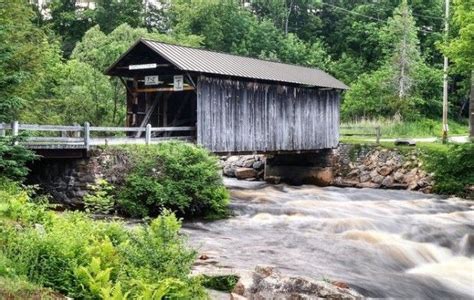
[(148, 134), (87, 136), (2, 129)]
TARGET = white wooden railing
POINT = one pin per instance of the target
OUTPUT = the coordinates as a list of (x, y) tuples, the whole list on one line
[(77, 136)]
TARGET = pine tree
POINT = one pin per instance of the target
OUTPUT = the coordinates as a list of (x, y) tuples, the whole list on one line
[(403, 49)]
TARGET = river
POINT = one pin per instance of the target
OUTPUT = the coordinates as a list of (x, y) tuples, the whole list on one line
[(383, 243)]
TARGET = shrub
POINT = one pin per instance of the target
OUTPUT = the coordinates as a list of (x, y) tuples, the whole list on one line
[(13, 158), (225, 283), (177, 176), (87, 259), (101, 199), (453, 168)]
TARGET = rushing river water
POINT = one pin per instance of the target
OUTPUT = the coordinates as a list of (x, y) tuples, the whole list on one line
[(384, 243)]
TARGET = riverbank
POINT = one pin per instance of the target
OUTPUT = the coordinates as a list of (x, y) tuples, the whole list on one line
[(420, 168)]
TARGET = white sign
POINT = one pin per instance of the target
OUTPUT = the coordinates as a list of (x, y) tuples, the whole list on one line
[(152, 80), (141, 67), (178, 83)]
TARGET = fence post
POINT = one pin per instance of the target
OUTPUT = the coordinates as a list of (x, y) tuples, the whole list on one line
[(377, 134), (15, 130), (15, 127), (148, 134), (87, 136), (2, 129)]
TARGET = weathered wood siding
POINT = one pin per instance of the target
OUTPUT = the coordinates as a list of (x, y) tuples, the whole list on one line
[(237, 116)]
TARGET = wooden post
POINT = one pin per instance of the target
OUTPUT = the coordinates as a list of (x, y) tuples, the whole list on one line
[(377, 134), (15, 128), (76, 134), (148, 134), (87, 136), (2, 129)]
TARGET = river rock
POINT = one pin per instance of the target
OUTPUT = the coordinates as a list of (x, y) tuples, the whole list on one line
[(267, 283), (378, 179), (244, 173), (385, 170), (228, 171), (387, 181), (364, 177), (258, 165), (398, 175), (248, 162)]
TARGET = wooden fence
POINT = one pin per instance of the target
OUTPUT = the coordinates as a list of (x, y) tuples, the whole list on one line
[(360, 131), (77, 136)]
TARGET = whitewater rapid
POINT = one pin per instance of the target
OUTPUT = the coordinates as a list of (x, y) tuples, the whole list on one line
[(383, 243)]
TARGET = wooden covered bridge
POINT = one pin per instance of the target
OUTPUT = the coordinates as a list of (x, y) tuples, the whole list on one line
[(226, 103)]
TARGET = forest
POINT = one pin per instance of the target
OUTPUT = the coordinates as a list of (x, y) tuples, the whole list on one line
[(53, 54)]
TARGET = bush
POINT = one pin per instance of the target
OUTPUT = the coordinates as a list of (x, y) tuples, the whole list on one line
[(453, 168), (177, 176), (13, 158), (101, 199), (87, 259)]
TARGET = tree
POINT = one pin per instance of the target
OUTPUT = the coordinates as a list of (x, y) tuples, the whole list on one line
[(404, 86), (461, 48), (25, 55), (402, 46), (69, 21), (110, 14)]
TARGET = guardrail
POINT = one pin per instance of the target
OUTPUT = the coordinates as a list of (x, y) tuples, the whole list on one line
[(362, 131), (77, 136)]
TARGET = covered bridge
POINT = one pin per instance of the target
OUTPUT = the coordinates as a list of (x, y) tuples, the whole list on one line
[(236, 104)]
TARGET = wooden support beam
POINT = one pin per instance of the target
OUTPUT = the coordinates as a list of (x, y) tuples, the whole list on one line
[(162, 89)]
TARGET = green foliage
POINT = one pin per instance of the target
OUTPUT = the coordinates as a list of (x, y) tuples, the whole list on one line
[(453, 168), (177, 176), (88, 259), (25, 56), (403, 86), (13, 158), (101, 199), (225, 283), (461, 48)]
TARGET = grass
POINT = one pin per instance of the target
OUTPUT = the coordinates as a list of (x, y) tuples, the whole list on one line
[(394, 129), (20, 289)]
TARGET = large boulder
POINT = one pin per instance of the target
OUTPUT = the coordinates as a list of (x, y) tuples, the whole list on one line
[(267, 283), (245, 173)]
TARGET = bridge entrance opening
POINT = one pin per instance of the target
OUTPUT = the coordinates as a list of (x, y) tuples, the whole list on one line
[(161, 105)]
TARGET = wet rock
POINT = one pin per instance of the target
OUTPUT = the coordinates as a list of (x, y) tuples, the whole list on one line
[(387, 182), (267, 283), (244, 173), (229, 171)]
